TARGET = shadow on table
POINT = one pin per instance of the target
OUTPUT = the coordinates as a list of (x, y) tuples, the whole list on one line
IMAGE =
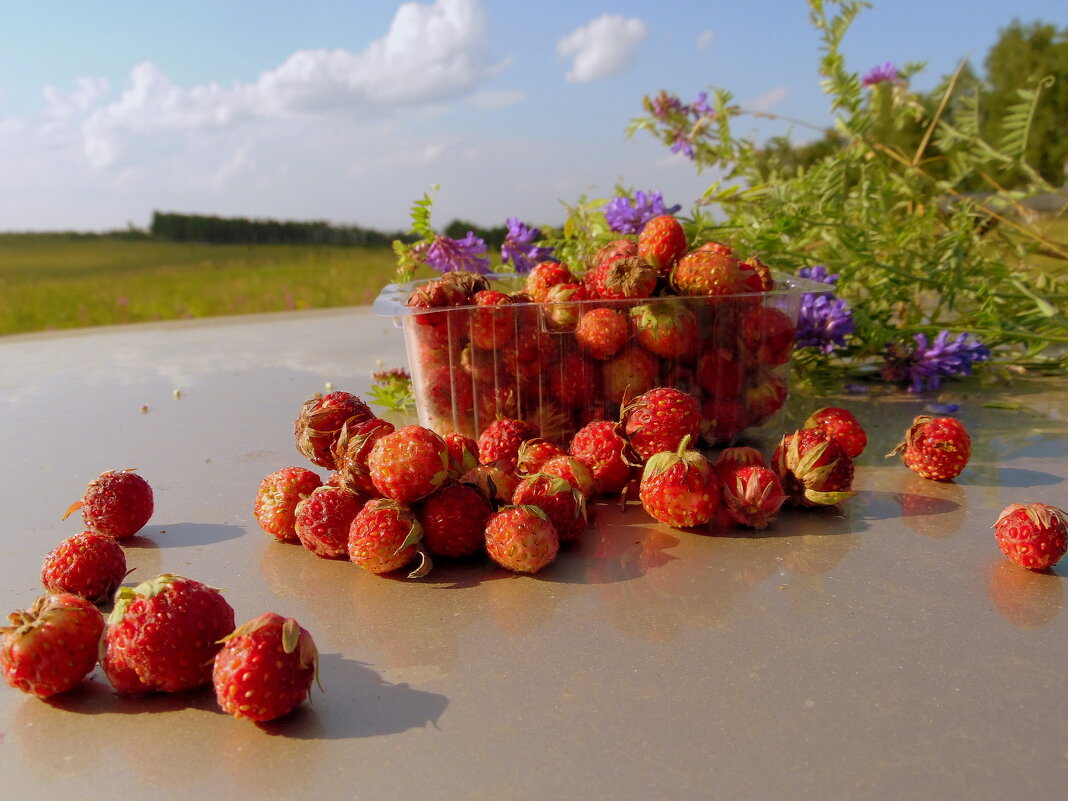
[(178, 535), (1011, 477)]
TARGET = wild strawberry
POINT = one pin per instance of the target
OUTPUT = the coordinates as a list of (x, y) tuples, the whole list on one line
[(265, 668), (767, 283), (602, 331), (463, 453), (90, 565), (601, 446), (495, 484), (629, 373), (764, 398), (321, 521), (353, 447), (814, 468), (437, 294), (658, 420), (276, 501), (535, 452), (1033, 535), (666, 329), (768, 335), (453, 518), (662, 242), (572, 470), (842, 425), (730, 459), (576, 381), (319, 423), (562, 306), (521, 539), (724, 419), (716, 247), (935, 447), (752, 495), (704, 272), (626, 279), (602, 259), (464, 283), (50, 647), (564, 505), (544, 276), (492, 326), (385, 537), (447, 393), (680, 488), (499, 443), (409, 464), (163, 634), (117, 503)]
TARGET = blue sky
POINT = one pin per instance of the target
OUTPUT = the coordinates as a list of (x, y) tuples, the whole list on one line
[(348, 111)]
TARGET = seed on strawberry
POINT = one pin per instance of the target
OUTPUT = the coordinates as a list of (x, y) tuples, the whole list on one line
[(937, 448), (409, 463), (752, 495), (118, 503), (319, 423), (768, 335), (163, 634), (276, 501), (521, 539), (453, 518), (662, 242), (658, 420), (841, 424), (680, 488), (50, 647), (385, 536), (814, 468), (602, 447), (499, 443), (265, 668), (564, 505), (1033, 535), (321, 521), (602, 331), (90, 565)]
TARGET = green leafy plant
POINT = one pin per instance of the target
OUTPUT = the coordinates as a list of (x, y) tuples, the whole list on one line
[(392, 389)]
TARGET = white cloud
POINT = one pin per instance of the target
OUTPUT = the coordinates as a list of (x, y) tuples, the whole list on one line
[(85, 93), (602, 48), (704, 39), (768, 100), (490, 100)]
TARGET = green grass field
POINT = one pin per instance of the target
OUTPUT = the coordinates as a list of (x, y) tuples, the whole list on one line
[(52, 281)]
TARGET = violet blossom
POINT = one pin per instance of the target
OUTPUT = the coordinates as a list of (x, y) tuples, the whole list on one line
[(925, 364), (626, 216), (823, 321), (446, 254), (884, 73), (519, 248)]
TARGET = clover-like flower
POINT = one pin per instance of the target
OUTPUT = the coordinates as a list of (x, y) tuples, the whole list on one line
[(627, 216), (884, 73), (445, 254), (519, 248), (824, 320), (925, 364)]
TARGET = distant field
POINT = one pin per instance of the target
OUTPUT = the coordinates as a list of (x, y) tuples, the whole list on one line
[(52, 281)]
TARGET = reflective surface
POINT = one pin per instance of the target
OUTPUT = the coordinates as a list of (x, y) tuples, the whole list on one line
[(885, 649)]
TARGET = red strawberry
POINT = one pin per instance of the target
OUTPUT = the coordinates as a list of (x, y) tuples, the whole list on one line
[(562, 307), (463, 453), (544, 276), (625, 279), (629, 373), (320, 421), (265, 668), (842, 425), (752, 495), (438, 294), (573, 471), (564, 505), (720, 372), (499, 443), (680, 488), (725, 418), (602, 331), (662, 242), (163, 634), (495, 484), (117, 503), (409, 463), (601, 446), (353, 447), (767, 283), (385, 537), (1033, 535), (533, 453), (89, 565), (703, 272), (453, 518), (658, 420), (576, 381), (602, 259), (768, 335), (765, 397), (521, 539), (277, 498), (492, 327), (666, 329), (322, 520), (935, 447), (730, 459), (814, 468), (50, 647)]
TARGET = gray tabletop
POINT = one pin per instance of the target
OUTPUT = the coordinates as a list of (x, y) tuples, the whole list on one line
[(884, 649)]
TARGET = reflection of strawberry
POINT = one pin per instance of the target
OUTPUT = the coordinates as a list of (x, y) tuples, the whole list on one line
[(1033, 535), (1025, 598)]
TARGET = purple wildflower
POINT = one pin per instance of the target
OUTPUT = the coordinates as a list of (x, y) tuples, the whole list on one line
[(519, 248), (823, 322), (700, 107), (682, 144), (884, 73), (926, 364), (818, 272), (664, 105), (446, 254), (626, 216)]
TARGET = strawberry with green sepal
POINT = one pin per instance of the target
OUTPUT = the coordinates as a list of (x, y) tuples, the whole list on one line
[(385, 536), (814, 468), (730, 459), (320, 421), (1033, 535), (50, 647), (841, 424), (680, 488), (354, 443), (276, 501), (564, 505), (492, 323), (545, 275), (499, 442), (602, 332), (752, 494), (90, 565), (535, 452), (658, 420), (572, 470), (163, 634), (602, 447), (662, 242), (321, 521), (117, 503), (453, 519), (265, 668), (463, 453), (521, 539), (496, 485), (666, 329), (409, 463), (937, 448)]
